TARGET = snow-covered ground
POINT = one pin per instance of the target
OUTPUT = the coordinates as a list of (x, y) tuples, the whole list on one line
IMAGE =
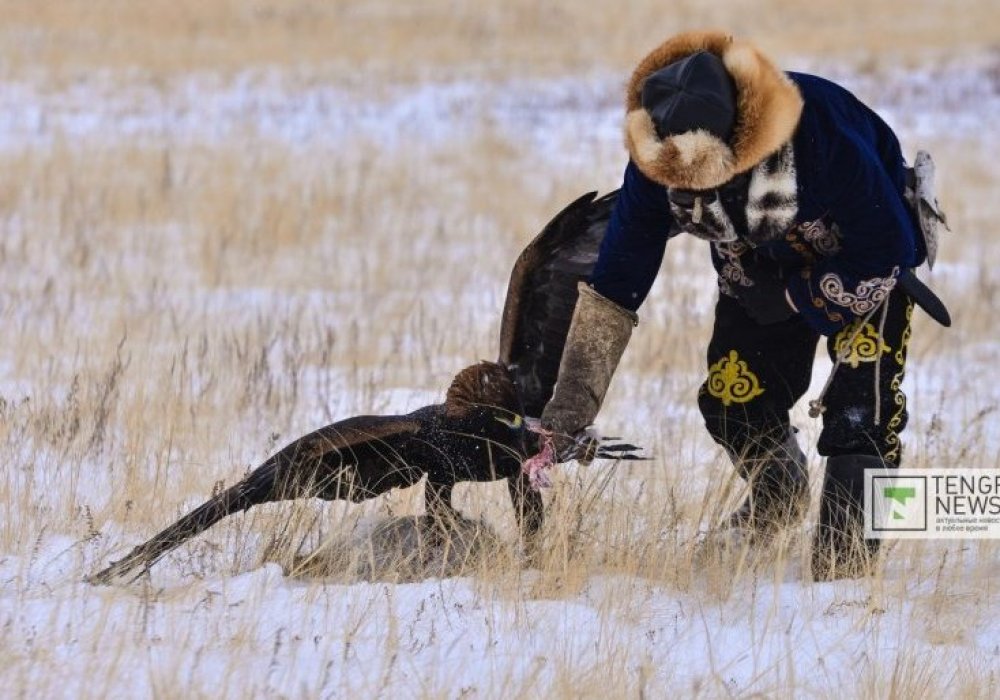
[(196, 629), (259, 633), (957, 95)]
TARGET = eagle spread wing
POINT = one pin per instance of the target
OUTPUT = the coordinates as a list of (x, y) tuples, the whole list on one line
[(355, 458), (542, 294)]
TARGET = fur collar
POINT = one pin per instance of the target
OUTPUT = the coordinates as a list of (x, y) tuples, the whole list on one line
[(768, 106)]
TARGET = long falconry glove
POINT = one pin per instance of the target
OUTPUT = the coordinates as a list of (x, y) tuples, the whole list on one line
[(597, 337)]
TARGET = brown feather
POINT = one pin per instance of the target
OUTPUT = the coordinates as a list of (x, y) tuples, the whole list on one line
[(482, 384), (337, 438), (526, 263)]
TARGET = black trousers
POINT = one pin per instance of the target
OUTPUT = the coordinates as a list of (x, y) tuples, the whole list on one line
[(757, 373)]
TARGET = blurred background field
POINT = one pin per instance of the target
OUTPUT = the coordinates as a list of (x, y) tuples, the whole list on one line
[(371, 40), (223, 224)]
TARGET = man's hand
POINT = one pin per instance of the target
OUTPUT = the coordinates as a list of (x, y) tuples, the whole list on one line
[(766, 300)]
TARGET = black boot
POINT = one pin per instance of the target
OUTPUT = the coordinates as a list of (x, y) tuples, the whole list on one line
[(839, 547), (779, 488)]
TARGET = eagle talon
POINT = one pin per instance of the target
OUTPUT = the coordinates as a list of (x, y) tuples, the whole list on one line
[(584, 447)]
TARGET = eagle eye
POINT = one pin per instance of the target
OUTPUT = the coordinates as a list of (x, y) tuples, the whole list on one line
[(515, 422)]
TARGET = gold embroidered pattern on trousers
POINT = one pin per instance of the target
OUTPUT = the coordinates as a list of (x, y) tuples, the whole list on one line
[(866, 345), (892, 441), (731, 381)]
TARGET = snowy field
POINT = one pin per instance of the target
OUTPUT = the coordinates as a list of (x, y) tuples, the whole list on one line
[(197, 268)]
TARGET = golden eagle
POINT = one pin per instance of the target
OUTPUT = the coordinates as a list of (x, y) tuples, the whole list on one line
[(479, 433)]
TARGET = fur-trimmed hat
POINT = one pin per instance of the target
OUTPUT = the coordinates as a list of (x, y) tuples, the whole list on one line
[(767, 110), (693, 93)]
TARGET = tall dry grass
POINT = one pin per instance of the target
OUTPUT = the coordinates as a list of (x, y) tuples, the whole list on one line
[(384, 39), (174, 311)]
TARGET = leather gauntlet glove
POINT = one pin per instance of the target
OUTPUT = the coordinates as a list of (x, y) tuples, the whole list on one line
[(597, 337)]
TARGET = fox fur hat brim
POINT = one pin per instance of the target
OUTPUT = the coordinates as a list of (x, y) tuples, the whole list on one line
[(768, 106)]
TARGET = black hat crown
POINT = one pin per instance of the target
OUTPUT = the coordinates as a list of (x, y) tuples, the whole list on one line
[(693, 93)]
